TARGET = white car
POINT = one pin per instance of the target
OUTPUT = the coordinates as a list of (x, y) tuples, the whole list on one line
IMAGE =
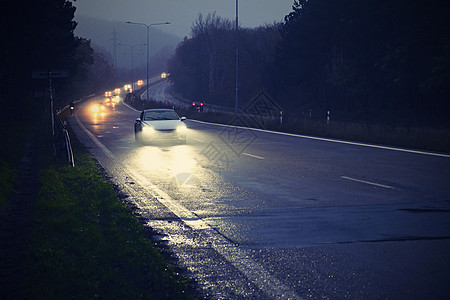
[(159, 124)]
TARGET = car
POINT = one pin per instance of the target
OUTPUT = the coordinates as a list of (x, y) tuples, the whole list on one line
[(198, 105), (111, 100), (159, 125), (98, 108)]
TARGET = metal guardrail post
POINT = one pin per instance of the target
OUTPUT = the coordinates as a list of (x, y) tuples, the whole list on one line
[(69, 148), (67, 143)]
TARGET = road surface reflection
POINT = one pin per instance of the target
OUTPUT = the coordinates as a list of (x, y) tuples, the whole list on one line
[(177, 162)]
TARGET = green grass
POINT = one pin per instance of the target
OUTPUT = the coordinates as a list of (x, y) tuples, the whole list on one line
[(87, 244)]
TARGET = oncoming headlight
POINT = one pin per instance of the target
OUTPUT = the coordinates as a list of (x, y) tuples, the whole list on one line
[(181, 129), (148, 130), (95, 108)]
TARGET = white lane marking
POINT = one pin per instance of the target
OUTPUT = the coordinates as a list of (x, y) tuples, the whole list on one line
[(200, 141), (255, 272), (132, 108), (368, 182), (329, 140), (95, 140), (254, 156)]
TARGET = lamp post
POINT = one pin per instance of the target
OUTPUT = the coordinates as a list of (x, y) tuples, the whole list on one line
[(132, 62), (148, 42)]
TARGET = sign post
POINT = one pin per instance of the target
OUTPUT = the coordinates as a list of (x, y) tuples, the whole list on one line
[(50, 75)]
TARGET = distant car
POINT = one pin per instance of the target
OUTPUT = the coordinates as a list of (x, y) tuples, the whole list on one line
[(111, 100), (198, 105), (98, 108), (159, 124)]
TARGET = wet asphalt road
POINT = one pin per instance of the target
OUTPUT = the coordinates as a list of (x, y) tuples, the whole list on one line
[(255, 214)]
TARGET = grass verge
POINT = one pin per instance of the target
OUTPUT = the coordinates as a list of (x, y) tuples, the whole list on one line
[(85, 243)]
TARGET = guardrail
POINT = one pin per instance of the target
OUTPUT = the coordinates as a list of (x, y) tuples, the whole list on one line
[(64, 140), (62, 137)]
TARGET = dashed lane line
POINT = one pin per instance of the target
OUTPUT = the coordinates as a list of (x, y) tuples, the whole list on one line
[(368, 182)]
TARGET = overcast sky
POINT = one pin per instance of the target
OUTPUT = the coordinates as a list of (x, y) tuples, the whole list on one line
[(182, 13)]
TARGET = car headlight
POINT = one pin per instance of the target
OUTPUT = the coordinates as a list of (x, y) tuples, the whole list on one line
[(95, 108), (181, 129), (148, 130)]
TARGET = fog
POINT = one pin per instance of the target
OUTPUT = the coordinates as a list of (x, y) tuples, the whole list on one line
[(102, 32), (181, 13), (102, 21)]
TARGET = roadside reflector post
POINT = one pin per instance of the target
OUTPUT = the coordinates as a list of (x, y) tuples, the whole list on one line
[(281, 117)]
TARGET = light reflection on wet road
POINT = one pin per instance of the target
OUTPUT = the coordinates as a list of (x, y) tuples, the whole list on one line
[(277, 217)]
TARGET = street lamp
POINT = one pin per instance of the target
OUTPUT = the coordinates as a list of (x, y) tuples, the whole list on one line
[(132, 62), (148, 42)]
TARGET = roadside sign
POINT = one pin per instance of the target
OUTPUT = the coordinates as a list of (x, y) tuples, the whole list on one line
[(50, 74), (59, 74), (39, 74)]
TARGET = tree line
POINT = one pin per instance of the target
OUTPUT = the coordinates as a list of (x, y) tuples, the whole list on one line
[(203, 67), (38, 36), (372, 61)]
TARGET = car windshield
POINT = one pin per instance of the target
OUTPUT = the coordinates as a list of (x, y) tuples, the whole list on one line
[(160, 115)]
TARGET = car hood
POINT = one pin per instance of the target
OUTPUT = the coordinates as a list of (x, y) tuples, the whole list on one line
[(163, 124)]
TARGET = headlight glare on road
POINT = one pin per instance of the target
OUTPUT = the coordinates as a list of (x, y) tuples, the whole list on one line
[(181, 129)]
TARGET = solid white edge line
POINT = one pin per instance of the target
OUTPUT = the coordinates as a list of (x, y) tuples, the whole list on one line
[(95, 140), (329, 140), (132, 108), (367, 182)]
